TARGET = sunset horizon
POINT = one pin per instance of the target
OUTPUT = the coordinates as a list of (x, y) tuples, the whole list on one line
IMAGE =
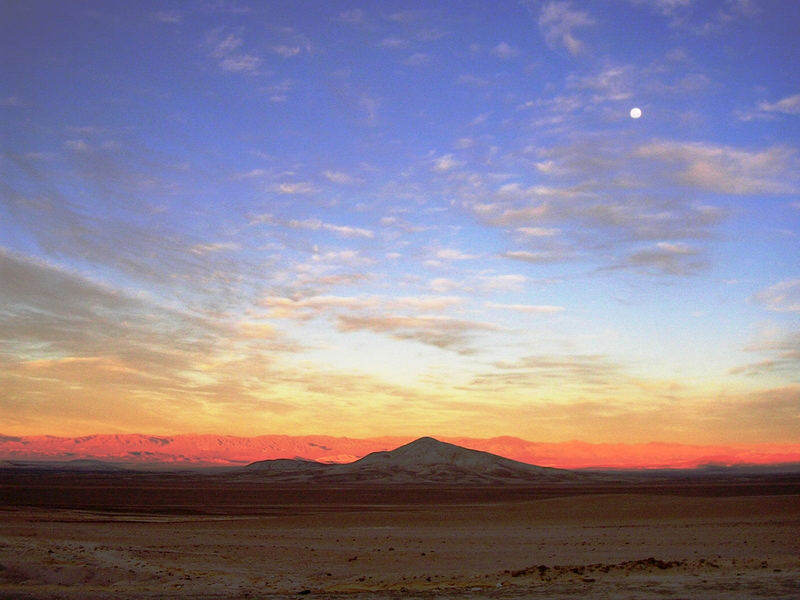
[(206, 450)]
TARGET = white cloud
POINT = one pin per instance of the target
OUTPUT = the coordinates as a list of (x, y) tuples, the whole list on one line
[(251, 174), (300, 187), (417, 59), (423, 303), (201, 249), (504, 51), (343, 230), (789, 106), (557, 21), (340, 177), (442, 332), (446, 163), (225, 51), (349, 232), (668, 7), (507, 282), (443, 285), (453, 254), (393, 43), (341, 257), (541, 257), (167, 16), (539, 231), (240, 63), (226, 46), (526, 308), (780, 348), (598, 199), (305, 308), (353, 16), (262, 218), (479, 119), (667, 258), (612, 84), (775, 170), (468, 79), (287, 51), (407, 16), (784, 296)]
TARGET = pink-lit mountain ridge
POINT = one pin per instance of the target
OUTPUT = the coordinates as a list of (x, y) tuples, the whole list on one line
[(218, 450)]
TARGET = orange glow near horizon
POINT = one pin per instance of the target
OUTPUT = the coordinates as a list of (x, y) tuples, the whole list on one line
[(209, 450)]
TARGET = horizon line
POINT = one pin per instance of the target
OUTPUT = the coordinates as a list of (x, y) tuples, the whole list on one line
[(211, 450)]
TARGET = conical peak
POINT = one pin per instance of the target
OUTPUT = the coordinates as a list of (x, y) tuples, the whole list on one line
[(424, 444), (425, 441)]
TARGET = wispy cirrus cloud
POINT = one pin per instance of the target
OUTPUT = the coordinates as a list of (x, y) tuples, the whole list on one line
[(201, 249), (538, 257), (667, 258), (293, 188), (78, 343), (581, 370), (168, 16), (783, 296), (394, 42), (225, 49), (341, 177), (790, 105), (354, 16), (417, 59), (136, 248), (453, 254), (240, 63), (504, 51), (441, 332), (287, 51), (446, 162), (346, 231), (539, 231), (526, 308), (558, 21), (597, 203), (343, 230), (725, 169), (780, 348), (472, 80), (54, 313), (307, 307)]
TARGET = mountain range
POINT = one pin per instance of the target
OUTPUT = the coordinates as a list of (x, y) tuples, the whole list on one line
[(190, 450)]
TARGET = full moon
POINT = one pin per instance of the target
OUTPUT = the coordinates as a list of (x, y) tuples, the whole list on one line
[(636, 112)]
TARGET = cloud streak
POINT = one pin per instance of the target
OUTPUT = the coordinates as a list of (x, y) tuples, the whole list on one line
[(558, 21)]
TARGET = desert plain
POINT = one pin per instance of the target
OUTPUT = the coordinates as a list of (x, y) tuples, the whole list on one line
[(223, 536)]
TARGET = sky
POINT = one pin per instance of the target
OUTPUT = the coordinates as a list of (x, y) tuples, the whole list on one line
[(401, 218)]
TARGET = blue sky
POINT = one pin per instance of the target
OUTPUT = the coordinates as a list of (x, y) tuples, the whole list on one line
[(401, 218)]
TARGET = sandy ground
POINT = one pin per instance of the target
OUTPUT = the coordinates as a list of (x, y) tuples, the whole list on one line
[(600, 546)]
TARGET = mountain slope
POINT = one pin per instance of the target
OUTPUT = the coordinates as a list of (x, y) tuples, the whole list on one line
[(425, 460)]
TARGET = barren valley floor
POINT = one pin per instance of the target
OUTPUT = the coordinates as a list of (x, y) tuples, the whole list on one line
[(73, 536)]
